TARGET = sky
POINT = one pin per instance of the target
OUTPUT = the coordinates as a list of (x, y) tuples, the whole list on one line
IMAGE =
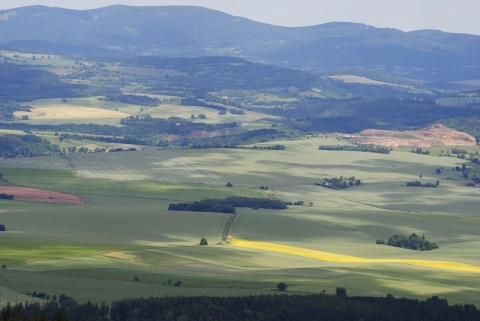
[(460, 16)]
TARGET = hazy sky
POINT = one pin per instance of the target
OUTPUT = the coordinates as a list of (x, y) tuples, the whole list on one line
[(448, 15)]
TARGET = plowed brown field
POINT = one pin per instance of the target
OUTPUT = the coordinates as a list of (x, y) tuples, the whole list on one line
[(40, 195)]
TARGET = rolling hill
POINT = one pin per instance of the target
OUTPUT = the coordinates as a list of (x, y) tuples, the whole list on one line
[(173, 31)]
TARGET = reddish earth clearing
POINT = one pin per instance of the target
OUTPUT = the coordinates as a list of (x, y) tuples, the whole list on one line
[(424, 138), (39, 195)]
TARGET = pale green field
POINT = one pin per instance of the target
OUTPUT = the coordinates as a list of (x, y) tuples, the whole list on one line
[(249, 120), (11, 132), (132, 214), (52, 61), (108, 220)]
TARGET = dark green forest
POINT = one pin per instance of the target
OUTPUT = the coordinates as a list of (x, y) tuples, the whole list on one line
[(316, 307), (26, 146), (228, 205), (412, 242), (24, 83)]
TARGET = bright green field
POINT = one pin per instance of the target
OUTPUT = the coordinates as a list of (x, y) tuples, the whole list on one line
[(126, 215), (19, 250)]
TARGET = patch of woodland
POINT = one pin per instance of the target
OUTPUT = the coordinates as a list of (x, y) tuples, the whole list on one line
[(228, 205), (339, 182), (412, 242)]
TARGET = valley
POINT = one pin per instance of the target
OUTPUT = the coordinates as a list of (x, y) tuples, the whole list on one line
[(98, 140)]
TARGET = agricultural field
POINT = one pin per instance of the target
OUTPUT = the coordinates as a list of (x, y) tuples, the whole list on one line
[(79, 110), (123, 242)]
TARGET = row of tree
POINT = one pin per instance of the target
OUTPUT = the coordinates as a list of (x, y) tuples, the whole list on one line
[(420, 184), (270, 147), (358, 148), (140, 100), (228, 205), (4, 196), (421, 151)]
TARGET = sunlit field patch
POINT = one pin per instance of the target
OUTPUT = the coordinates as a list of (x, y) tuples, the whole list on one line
[(332, 257), (68, 112)]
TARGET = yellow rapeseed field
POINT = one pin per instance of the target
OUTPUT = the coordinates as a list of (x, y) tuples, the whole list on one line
[(332, 257)]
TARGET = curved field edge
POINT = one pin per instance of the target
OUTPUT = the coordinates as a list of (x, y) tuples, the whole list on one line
[(339, 258)]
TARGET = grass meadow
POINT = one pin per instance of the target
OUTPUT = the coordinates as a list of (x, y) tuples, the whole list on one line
[(94, 251)]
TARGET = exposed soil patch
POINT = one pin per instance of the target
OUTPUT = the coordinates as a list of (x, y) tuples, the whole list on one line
[(424, 138), (40, 195)]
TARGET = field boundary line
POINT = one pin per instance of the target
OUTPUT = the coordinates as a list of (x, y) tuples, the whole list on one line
[(228, 226), (72, 166)]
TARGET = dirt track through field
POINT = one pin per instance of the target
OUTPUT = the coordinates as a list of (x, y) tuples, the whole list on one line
[(332, 257), (40, 195)]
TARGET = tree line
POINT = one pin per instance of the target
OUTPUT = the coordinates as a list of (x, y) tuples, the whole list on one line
[(420, 184), (357, 148), (198, 102), (318, 307), (140, 100), (4, 196), (339, 182), (228, 205)]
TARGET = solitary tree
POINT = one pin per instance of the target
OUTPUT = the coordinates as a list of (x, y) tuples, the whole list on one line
[(203, 241), (2, 228), (282, 286), (341, 292)]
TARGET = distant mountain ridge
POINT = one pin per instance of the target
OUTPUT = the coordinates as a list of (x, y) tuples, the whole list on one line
[(174, 31)]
